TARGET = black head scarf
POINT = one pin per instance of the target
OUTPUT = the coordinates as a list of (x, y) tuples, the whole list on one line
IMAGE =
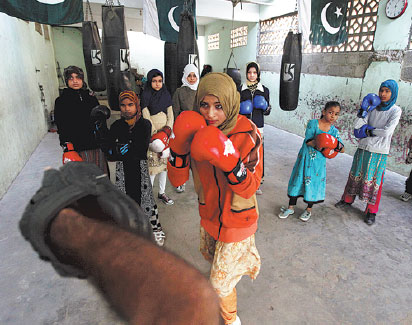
[(155, 101)]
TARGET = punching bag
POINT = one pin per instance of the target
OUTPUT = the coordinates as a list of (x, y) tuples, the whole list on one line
[(92, 52), (290, 72), (115, 54), (170, 62), (234, 73), (187, 51)]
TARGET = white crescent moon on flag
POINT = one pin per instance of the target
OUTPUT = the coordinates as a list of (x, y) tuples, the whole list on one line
[(50, 2), (325, 23), (171, 20)]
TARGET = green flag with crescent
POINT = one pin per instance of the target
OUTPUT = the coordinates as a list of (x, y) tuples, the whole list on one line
[(51, 12), (328, 22), (161, 18)]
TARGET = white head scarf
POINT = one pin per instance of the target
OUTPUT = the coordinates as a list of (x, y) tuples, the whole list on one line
[(188, 69)]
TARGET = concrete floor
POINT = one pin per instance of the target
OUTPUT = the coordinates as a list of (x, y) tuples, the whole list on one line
[(333, 269)]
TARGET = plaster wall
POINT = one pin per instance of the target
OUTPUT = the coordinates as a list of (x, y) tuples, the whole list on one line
[(27, 93), (243, 54)]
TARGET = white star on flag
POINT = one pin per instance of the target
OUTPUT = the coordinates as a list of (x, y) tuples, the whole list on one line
[(338, 12)]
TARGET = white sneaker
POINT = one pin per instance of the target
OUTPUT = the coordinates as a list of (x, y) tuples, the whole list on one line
[(259, 191), (181, 188), (305, 216), (159, 237), (237, 321), (284, 213), (406, 196)]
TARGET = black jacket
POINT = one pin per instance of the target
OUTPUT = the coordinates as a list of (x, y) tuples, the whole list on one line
[(72, 115), (138, 139), (257, 114)]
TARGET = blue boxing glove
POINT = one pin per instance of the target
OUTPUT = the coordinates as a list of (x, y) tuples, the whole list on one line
[(259, 102), (364, 131), (246, 107), (369, 103)]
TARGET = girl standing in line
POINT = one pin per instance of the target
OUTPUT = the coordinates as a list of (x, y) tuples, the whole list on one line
[(308, 178), (184, 97), (157, 108), (374, 127), (254, 100), (129, 139)]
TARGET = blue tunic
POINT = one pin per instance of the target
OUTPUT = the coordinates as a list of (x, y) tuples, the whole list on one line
[(308, 178)]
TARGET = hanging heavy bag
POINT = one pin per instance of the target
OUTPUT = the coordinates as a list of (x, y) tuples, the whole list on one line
[(187, 51), (115, 54), (170, 61), (290, 72), (92, 52), (234, 73)]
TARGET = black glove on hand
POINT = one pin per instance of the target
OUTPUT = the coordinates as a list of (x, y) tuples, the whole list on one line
[(83, 185)]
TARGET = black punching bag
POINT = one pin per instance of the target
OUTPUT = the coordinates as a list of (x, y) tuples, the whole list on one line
[(234, 73), (170, 61), (290, 72), (92, 52), (187, 51), (115, 54)]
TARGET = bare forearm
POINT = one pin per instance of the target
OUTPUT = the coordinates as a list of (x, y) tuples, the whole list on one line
[(146, 284)]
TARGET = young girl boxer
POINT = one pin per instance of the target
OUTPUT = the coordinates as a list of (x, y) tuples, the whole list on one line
[(377, 120), (129, 140), (308, 178), (184, 97), (254, 99), (224, 151), (157, 108)]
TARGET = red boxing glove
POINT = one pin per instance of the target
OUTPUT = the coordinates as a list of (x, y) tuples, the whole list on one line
[(185, 127), (329, 153), (325, 140), (159, 140), (328, 145), (210, 144), (69, 154)]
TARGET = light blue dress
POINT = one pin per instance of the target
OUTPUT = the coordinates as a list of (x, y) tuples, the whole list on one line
[(308, 178)]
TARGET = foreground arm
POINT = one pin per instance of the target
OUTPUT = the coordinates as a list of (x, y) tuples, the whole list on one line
[(145, 284)]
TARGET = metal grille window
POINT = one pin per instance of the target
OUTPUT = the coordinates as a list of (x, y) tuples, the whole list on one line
[(213, 42), (238, 37), (360, 21)]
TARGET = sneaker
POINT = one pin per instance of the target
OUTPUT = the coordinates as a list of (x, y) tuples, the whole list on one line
[(237, 321), (284, 213), (181, 188), (342, 204), (159, 237), (305, 216), (370, 218), (406, 196), (259, 191), (165, 199)]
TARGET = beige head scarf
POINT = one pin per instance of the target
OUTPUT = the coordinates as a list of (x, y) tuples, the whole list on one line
[(222, 86)]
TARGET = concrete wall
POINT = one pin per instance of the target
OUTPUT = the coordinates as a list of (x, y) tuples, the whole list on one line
[(27, 92), (345, 77), (243, 54)]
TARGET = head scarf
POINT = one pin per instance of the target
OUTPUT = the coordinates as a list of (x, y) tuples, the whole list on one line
[(222, 86), (393, 87), (189, 69), (70, 70), (129, 94), (207, 68), (256, 66), (155, 101)]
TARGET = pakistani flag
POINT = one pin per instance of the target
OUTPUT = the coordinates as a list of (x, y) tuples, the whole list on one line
[(161, 18), (323, 22), (51, 12)]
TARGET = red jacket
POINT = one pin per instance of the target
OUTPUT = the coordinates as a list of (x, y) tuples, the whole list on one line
[(229, 212)]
